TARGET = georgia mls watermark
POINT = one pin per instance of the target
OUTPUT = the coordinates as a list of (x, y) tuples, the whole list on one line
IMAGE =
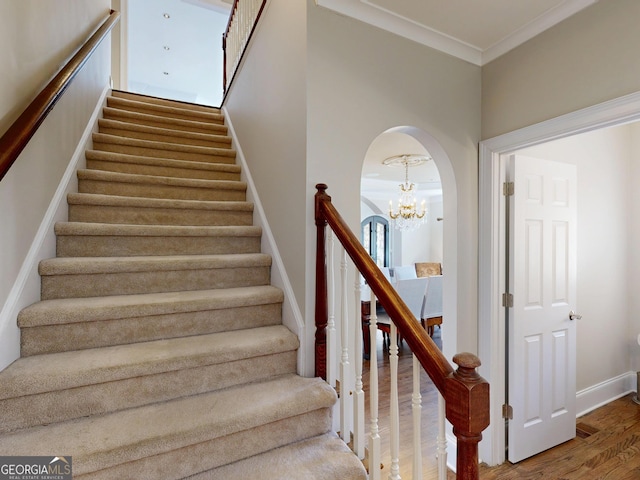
[(35, 468)]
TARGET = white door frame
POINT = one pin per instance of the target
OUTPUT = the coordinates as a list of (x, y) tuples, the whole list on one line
[(491, 267)]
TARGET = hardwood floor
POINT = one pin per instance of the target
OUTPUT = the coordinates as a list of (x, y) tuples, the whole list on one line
[(607, 445), (429, 425)]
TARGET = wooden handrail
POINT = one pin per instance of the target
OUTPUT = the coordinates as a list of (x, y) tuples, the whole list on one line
[(466, 393), (15, 139)]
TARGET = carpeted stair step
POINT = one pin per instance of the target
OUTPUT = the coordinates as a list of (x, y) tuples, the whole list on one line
[(79, 239), (171, 112), (64, 386), (139, 165), (91, 277), (148, 186), (164, 101), (186, 436), (318, 458), (174, 151), (143, 132), (87, 207), (162, 122), (60, 325)]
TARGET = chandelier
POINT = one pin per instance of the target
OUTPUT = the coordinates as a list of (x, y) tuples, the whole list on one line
[(407, 216)]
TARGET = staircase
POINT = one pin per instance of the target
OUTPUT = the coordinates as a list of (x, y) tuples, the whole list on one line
[(157, 349)]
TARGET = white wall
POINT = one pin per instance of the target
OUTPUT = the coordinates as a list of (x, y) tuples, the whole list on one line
[(605, 248), (363, 81), (37, 37)]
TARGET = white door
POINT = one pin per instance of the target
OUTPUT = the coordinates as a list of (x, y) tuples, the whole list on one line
[(541, 330)]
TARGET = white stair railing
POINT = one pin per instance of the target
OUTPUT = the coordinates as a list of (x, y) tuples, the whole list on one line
[(466, 393), (242, 20), (352, 423)]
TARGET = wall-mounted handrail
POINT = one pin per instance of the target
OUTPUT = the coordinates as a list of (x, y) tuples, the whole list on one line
[(465, 392), (15, 139)]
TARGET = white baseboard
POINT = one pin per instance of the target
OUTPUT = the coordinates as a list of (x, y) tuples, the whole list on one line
[(291, 315), (452, 453), (26, 288), (605, 392)]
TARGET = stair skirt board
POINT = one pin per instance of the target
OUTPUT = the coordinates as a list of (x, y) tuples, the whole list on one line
[(157, 349)]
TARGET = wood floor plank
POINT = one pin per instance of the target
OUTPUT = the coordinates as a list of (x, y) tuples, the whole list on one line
[(609, 451)]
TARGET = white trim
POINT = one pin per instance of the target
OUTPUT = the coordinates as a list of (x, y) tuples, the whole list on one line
[(368, 12), (605, 392), (394, 23), (26, 288), (491, 337), (291, 315)]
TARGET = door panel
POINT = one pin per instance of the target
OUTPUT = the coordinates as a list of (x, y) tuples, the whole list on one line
[(542, 270)]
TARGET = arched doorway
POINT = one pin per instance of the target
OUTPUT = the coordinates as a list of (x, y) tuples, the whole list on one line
[(407, 139)]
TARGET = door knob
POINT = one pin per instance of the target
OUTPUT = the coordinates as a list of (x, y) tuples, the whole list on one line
[(574, 316)]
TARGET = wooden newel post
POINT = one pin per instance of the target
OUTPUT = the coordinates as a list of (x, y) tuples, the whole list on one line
[(467, 400), (322, 311)]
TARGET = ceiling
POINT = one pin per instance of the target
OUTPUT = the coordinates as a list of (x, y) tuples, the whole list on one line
[(180, 56), (174, 48)]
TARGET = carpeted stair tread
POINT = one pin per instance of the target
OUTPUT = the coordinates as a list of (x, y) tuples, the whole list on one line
[(96, 156), (116, 177), (319, 458), (60, 371), (115, 201), (160, 263), (150, 148), (105, 229), (164, 101), (146, 132), (89, 207), (165, 111), (105, 441), (162, 122), (82, 239), (94, 309)]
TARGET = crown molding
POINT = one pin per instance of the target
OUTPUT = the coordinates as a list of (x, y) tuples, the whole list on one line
[(535, 27), (377, 16), (404, 27)]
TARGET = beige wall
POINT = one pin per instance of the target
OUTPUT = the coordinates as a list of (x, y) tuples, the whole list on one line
[(634, 253), (589, 58), (37, 37), (363, 81), (267, 106)]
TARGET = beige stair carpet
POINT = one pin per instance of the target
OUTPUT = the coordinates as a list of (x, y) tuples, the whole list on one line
[(157, 350)]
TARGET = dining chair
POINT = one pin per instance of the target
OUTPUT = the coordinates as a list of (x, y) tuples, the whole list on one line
[(412, 292), (431, 313)]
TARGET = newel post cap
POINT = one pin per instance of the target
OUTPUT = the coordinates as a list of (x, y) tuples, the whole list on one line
[(467, 396)]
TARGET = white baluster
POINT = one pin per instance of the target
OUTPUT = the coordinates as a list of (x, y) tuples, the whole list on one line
[(416, 407), (441, 442), (331, 307), (332, 348), (374, 433), (358, 400), (345, 410), (394, 409)]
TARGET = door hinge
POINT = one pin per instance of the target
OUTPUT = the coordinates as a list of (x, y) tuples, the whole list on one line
[(507, 412), (507, 300), (508, 189)]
